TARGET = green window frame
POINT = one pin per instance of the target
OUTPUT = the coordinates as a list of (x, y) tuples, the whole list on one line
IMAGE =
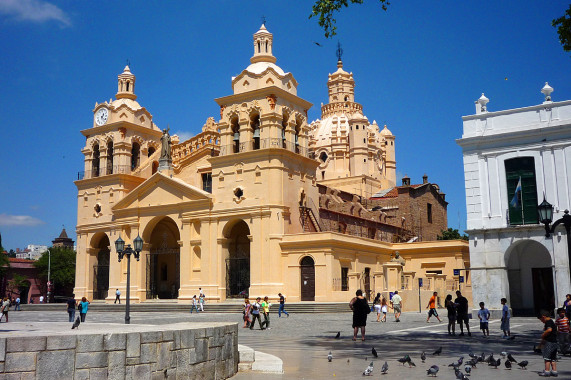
[(524, 168)]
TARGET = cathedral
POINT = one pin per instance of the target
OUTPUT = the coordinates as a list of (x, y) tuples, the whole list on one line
[(261, 201)]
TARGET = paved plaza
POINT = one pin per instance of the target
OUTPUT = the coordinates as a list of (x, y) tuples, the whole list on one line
[(303, 341)]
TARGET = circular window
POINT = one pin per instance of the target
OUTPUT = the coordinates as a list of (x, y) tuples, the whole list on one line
[(238, 193), (97, 208), (323, 156)]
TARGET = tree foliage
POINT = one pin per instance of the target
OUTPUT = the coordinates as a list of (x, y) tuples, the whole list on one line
[(563, 25), (325, 9), (451, 234), (62, 272), (17, 283)]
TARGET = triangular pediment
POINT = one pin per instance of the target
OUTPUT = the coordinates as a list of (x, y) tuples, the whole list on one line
[(160, 190)]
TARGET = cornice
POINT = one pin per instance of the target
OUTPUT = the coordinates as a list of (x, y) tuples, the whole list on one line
[(112, 127), (260, 93)]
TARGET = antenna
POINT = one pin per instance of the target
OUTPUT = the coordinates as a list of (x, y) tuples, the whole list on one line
[(339, 51), (128, 62)]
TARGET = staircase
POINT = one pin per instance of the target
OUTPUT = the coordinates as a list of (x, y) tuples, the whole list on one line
[(308, 216)]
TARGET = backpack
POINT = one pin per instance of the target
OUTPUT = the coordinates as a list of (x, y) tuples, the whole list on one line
[(79, 307)]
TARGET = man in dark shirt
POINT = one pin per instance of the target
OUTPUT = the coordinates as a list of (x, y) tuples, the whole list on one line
[(71, 307), (282, 306), (462, 312), (548, 344)]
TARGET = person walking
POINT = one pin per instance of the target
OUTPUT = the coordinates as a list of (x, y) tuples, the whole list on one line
[(256, 314), (451, 308), (201, 301), (71, 305), (17, 308), (361, 309), (5, 308), (117, 296), (462, 312), (246, 312), (194, 304), (282, 306), (548, 345), (505, 318), (377, 306), (484, 317), (396, 304), (384, 309), (432, 306), (567, 305), (83, 307), (562, 323), (41, 299), (266, 311)]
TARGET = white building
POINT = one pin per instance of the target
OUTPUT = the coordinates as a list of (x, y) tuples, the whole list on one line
[(32, 252), (510, 255)]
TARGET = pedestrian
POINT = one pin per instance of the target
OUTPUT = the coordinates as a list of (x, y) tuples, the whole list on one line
[(282, 306), (484, 316), (246, 313), (117, 296), (194, 304), (31, 300), (71, 305), (201, 301), (451, 308), (567, 305), (462, 313), (548, 345), (256, 314), (266, 312), (82, 307), (397, 304), (384, 308), (562, 323), (432, 307), (41, 299), (5, 308), (17, 308), (360, 308), (377, 306), (505, 318), (200, 292)]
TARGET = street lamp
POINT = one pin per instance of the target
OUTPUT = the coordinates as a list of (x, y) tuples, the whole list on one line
[(128, 251), (49, 270), (545, 210)]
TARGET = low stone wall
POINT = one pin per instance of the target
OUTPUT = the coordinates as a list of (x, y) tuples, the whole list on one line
[(177, 351)]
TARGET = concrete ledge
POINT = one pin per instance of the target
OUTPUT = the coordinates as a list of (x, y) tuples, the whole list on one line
[(267, 363)]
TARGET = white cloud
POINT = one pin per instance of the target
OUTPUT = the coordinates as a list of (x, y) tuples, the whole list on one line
[(183, 136), (19, 220), (34, 10)]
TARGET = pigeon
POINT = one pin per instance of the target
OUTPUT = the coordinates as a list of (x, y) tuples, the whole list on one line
[(432, 371), (503, 354), (374, 352), (369, 370), (437, 352), (338, 335), (404, 359), (490, 359), (495, 363), (523, 364), (423, 356), (508, 364), (472, 355), (511, 358), (385, 368), (411, 363), (459, 375), (467, 369), (481, 358), (457, 363), (330, 357), (76, 324), (318, 44), (472, 363)]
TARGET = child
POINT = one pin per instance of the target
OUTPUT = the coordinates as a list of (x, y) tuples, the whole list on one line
[(562, 323), (194, 304), (548, 345), (384, 308), (484, 315), (505, 318)]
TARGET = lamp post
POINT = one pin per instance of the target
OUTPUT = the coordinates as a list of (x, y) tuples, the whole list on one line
[(545, 210), (128, 251), (49, 272)]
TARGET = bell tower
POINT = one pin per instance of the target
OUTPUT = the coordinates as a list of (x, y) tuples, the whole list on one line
[(126, 85), (263, 46)]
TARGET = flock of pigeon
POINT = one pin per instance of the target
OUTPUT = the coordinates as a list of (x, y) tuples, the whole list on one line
[(469, 365)]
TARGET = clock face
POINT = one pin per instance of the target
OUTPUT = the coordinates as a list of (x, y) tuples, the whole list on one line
[(101, 116)]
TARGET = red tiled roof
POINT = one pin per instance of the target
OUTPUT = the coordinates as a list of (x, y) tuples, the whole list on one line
[(15, 260)]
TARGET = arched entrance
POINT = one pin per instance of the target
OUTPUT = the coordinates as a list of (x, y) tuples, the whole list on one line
[(238, 261), (530, 277), (163, 261), (101, 268), (24, 290), (307, 266)]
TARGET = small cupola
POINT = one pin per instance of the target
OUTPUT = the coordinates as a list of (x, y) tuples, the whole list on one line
[(126, 85), (263, 46), (406, 180), (424, 179)]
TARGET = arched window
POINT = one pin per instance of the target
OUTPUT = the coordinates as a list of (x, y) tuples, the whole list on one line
[(151, 151), (236, 136), (110, 157), (135, 153), (266, 46), (285, 118), (259, 50), (127, 86), (297, 131), (95, 162), (255, 123)]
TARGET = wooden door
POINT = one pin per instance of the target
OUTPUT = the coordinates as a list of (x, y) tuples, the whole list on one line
[(307, 279)]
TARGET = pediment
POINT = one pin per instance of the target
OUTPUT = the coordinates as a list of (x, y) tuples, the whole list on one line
[(160, 190)]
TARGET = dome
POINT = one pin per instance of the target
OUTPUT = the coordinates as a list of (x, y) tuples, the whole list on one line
[(132, 104), (322, 130), (259, 67), (386, 132)]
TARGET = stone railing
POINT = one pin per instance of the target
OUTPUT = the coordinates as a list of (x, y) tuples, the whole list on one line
[(188, 148), (114, 351), (340, 107)]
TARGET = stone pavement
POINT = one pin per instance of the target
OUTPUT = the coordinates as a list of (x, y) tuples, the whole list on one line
[(302, 341)]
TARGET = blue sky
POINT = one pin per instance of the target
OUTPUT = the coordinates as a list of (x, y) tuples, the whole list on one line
[(418, 68)]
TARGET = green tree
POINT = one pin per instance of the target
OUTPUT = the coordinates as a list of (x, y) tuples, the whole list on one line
[(17, 283), (563, 25), (324, 9), (62, 273), (451, 234), (12, 253)]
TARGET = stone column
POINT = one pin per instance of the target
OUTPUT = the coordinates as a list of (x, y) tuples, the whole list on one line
[(393, 271)]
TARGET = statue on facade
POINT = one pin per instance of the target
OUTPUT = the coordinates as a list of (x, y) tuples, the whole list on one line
[(398, 259), (166, 145)]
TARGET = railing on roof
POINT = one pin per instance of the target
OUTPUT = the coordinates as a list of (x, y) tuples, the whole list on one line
[(267, 143), (98, 172)]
